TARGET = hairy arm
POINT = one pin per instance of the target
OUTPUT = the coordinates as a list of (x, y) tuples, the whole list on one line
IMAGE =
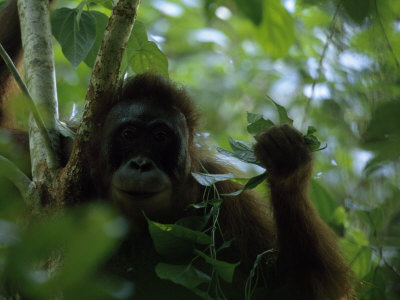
[(308, 258)]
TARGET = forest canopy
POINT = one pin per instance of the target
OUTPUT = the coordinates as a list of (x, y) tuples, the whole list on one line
[(332, 67)]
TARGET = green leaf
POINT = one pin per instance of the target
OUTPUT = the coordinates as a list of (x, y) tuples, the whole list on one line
[(75, 37), (283, 115), (276, 32), (106, 3), (358, 256), (340, 216), (252, 9), (101, 24), (358, 10), (255, 181), (242, 150), (185, 275), (138, 36), (257, 124), (311, 130), (149, 58), (172, 240), (197, 223), (252, 183), (322, 200), (383, 133), (224, 270), (375, 285), (206, 179), (312, 141), (358, 237)]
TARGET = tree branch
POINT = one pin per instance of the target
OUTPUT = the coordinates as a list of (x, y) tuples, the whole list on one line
[(101, 88), (32, 107), (40, 77)]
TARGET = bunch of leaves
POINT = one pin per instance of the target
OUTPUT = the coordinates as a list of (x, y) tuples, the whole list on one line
[(80, 32), (192, 242), (243, 151)]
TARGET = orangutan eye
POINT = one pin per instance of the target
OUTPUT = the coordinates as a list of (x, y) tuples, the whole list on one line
[(129, 133), (161, 136)]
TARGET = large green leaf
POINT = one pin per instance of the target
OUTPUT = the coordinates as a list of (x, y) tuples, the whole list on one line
[(357, 250), (257, 124), (75, 32), (185, 275), (138, 36), (101, 23), (149, 58), (252, 183), (383, 133), (252, 9), (282, 113), (276, 32), (357, 9), (242, 150), (106, 3), (323, 201), (224, 270), (172, 240)]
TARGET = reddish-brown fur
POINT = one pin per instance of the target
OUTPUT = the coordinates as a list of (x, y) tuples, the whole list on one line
[(307, 264)]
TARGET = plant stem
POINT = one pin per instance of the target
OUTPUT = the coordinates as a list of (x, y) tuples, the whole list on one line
[(16, 176)]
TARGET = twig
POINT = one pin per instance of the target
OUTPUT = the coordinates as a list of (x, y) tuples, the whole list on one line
[(52, 160), (328, 41)]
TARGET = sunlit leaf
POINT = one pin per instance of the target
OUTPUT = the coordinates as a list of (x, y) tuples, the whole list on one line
[(257, 124), (106, 3), (358, 256), (340, 216), (149, 58), (276, 32), (138, 36), (283, 115), (252, 9), (252, 183)]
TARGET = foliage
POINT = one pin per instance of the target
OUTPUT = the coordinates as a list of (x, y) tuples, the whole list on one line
[(331, 63)]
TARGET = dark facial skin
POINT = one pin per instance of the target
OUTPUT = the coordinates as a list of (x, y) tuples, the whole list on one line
[(146, 153)]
